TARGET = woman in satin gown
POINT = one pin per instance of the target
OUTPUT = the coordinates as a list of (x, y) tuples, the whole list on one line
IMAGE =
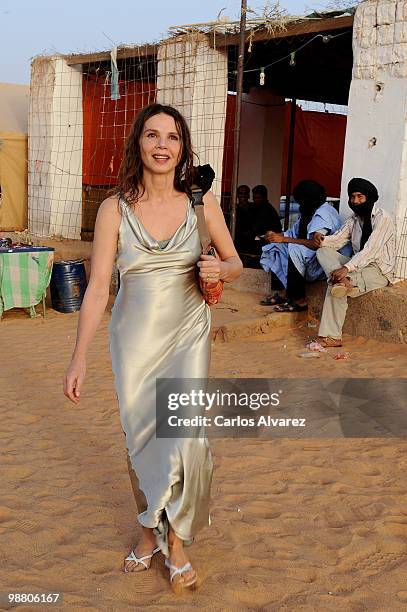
[(159, 328)]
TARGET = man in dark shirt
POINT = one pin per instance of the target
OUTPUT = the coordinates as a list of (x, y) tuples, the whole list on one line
[(265, 218), (244, 234)]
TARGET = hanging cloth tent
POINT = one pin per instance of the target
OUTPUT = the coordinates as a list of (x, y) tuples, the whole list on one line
[(13, 156)]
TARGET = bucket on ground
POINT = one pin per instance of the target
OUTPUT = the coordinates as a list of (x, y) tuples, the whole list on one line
[(68, 285)]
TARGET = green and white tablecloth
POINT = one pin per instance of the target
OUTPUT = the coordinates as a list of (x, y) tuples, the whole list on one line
[(24, 277)]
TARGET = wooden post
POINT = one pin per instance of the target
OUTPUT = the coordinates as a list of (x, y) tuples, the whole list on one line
[(238, 112), (290, 163)]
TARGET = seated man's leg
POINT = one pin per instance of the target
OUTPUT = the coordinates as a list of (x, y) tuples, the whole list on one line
[(334, 309), (333, 315), (275, 282), (295, 283), (330, 260), (367, 279)]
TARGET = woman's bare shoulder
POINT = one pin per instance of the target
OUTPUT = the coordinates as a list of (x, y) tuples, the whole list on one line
[(210, 199), (109, 216), (110, 204), (212, 207), (109, 210)]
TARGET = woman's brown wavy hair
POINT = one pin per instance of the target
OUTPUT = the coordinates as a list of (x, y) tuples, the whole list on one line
[(130, 183)]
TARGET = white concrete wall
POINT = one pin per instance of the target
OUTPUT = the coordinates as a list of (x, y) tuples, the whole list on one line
[(193, 77), (55, 149), (262, 141), (375, 138), (376, 134)]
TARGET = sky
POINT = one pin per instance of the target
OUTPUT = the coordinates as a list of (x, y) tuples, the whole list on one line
[(48, 27)]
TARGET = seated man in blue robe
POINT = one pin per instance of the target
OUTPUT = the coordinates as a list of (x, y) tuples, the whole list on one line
[(291, 255)]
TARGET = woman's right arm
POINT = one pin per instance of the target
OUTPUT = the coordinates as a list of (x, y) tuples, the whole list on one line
[(97, 293)]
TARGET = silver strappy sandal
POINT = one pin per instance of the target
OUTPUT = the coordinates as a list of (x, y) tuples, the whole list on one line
[(140, 560), (178, 571)]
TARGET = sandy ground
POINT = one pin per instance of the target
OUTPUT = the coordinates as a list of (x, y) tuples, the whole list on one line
[(314, 525)]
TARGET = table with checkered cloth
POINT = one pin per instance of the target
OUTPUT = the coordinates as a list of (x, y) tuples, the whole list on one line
[(24, 277)]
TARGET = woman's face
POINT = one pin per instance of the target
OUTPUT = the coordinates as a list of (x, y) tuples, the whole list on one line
[(160, 144)]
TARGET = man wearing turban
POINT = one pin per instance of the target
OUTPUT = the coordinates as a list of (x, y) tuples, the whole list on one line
[(371, 232)]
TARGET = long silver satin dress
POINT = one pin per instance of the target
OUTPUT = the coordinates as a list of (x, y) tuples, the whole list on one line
[(160, 329)]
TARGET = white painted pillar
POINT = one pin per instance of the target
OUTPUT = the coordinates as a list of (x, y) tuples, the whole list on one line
[(193, 77), (376, 134), (55, 149)]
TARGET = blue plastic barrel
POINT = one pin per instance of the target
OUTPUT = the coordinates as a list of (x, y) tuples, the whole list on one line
[(68, 285)]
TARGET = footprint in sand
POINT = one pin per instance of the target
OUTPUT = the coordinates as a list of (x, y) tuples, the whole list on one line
[(370, 559), (44, 444), (56, 506), (402, 596), (28, 419), (26, 526), (353, 514), (62, 483), (278, 487), (335, 519), (5, 514), (261, 509), (18, 472), (338, 584), (301, 574), (368, 470), (367, 512), (393, 529)]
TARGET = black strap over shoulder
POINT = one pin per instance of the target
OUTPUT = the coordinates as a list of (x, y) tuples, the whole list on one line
[(197, 195), (198, 204), (203, 180)]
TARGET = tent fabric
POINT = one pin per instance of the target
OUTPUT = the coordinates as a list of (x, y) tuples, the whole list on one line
[(319, 144), (14, 101), (106, 123), (13, 181)]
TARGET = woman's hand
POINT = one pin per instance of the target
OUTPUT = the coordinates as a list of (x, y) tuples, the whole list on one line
[(73, 379), (209, 268), (229, 267), (273, 237)]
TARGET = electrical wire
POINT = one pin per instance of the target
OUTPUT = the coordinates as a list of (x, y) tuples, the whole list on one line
[(329, 37)]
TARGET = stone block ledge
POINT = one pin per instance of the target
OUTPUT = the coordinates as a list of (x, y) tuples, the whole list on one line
[(380, 314)]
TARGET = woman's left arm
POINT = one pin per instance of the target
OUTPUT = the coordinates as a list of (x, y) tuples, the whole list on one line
[(230, 266)]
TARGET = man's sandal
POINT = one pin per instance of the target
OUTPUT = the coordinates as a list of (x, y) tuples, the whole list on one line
[(176, 579), (273, 300), (329, 342), (340, 290), (139, 561), (291, 307)]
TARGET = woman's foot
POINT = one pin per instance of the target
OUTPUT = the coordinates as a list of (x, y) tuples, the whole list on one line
[(139, 559), (182, 574), (178, 559)]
